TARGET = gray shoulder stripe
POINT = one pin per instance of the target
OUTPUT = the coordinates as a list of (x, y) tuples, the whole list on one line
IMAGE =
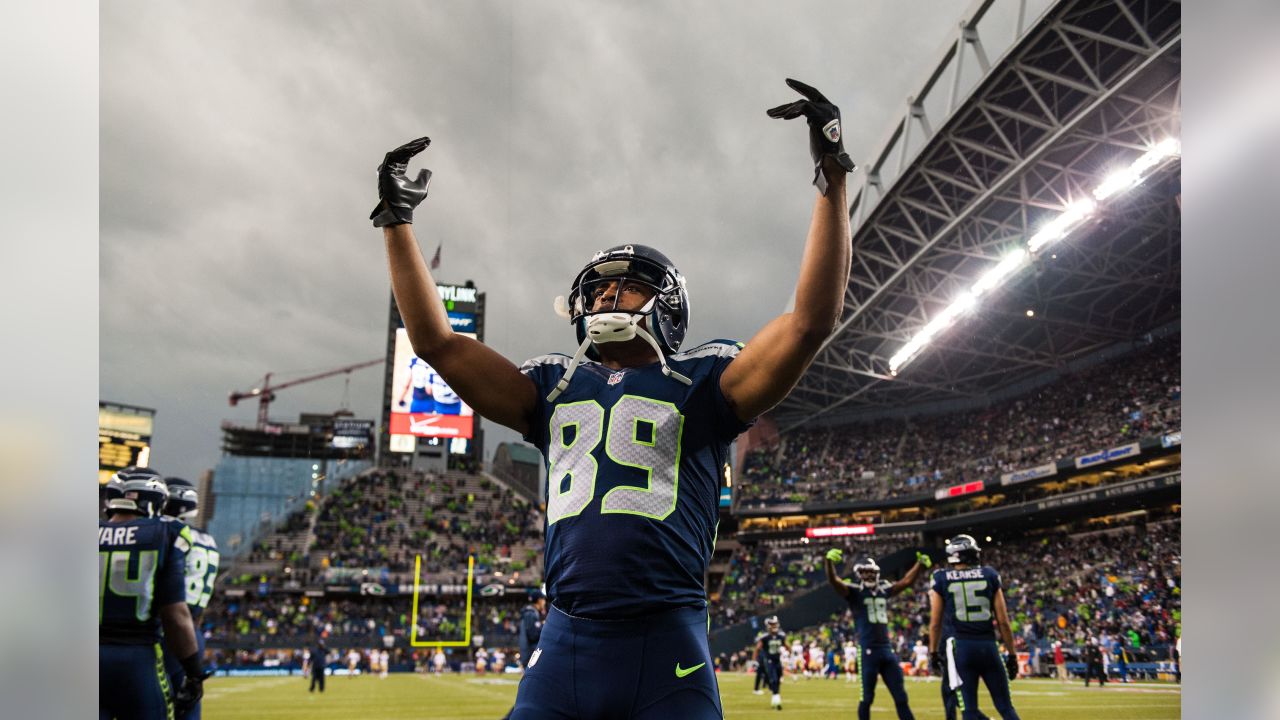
[(553, 359), (708, 350)]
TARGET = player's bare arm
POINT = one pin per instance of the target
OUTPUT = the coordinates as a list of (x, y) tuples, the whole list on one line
[(773, 360), (483, 379), (922, 563), (1002, 621), (936, 604), (834, 556), (179, 630)]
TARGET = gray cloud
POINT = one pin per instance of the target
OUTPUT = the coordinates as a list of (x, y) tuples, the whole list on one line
[(239, 139)]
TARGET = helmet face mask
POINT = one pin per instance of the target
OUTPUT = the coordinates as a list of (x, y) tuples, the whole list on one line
[(630, 268), (963, 550), (868, 572), (183, 501)]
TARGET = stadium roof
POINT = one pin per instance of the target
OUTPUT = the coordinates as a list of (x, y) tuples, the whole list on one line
[(959, 183)]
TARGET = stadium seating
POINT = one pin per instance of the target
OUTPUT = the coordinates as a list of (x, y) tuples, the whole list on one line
[(1117, 402)]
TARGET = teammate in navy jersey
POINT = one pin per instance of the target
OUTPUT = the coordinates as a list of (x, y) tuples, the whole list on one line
[(968, 597), (634, 432), (868, 598), (769, 646), (201, 571), (140, 583)]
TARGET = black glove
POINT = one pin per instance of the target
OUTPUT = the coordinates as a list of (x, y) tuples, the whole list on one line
[(188, 695), (824, 130), (1011, 665), (400, 195), (935, 663)]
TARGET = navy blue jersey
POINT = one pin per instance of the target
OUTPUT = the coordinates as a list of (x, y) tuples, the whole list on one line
[(201, 568), (870, 608), (141, 565), (773, 644), (634, 465), (969, 595)]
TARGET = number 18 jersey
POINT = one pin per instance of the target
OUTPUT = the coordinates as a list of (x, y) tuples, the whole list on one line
[(969, 595), (634, 462), (870, 608)]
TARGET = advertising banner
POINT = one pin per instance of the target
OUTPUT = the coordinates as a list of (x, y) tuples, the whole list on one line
[(1039, 471), (840, 531), (1104, 456), (958, 490), (1171, 439)]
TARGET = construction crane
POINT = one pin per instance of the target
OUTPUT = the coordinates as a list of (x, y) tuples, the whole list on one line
[(266, 392)]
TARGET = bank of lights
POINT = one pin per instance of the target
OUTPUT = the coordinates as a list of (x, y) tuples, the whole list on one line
[(1075, 215)]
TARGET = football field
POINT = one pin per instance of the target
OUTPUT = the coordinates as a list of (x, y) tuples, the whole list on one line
[(468, 696)]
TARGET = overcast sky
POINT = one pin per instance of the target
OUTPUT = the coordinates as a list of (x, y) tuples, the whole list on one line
[(239, 142)]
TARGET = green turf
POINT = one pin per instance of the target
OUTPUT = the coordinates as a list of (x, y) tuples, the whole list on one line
[(454, 696)]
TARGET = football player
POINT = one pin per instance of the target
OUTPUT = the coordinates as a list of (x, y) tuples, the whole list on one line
[(868, 598), (769, 648), (635, 431), (201, 570), (968, 597), (141, 563)]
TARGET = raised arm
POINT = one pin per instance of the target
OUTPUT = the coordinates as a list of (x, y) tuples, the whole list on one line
[(922, 562), (485, 380), (835, 555), (771, 363)]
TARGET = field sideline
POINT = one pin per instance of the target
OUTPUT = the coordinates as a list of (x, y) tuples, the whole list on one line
[(458, 696)]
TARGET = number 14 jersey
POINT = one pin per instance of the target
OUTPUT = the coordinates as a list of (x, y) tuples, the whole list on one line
[(634, 462)]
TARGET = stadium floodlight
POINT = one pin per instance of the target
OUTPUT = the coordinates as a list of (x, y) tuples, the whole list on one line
[(1006, 267), (1057, 228), (1075, 214), (1133, 175)]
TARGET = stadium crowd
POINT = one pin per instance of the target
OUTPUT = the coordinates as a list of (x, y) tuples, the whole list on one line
[(1122, 401)]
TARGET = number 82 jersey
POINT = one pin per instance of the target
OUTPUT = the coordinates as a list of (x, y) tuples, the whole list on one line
[(634, 461), (969, 595)]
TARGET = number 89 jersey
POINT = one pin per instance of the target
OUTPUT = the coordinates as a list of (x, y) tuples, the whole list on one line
[(634, 463), (969, 595)]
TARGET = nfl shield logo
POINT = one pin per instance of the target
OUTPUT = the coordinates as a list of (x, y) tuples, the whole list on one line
[(832, 130), (615, 378)]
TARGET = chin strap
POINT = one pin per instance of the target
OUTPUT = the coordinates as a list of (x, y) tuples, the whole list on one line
[(573, 367), (633, 330)]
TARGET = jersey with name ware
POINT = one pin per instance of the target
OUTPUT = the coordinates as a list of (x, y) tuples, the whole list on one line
[(140, 569), (634, 461), (870, 608), (968, 595)]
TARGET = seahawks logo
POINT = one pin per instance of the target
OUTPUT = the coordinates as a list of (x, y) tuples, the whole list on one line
[(832, 130)]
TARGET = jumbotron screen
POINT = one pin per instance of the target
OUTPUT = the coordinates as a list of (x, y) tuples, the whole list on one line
[(422, 403), (124, 437)]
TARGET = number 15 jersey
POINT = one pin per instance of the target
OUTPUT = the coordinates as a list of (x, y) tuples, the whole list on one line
[(969, 596), (634, 462)]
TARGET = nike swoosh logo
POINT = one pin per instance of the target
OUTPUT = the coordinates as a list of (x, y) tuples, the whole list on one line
[(681, 672)]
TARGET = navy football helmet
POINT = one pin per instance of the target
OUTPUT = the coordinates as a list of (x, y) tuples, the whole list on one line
[(666, 314), (771, 623), (140, 490), (963, 549), (183, 501), (867, 571)]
